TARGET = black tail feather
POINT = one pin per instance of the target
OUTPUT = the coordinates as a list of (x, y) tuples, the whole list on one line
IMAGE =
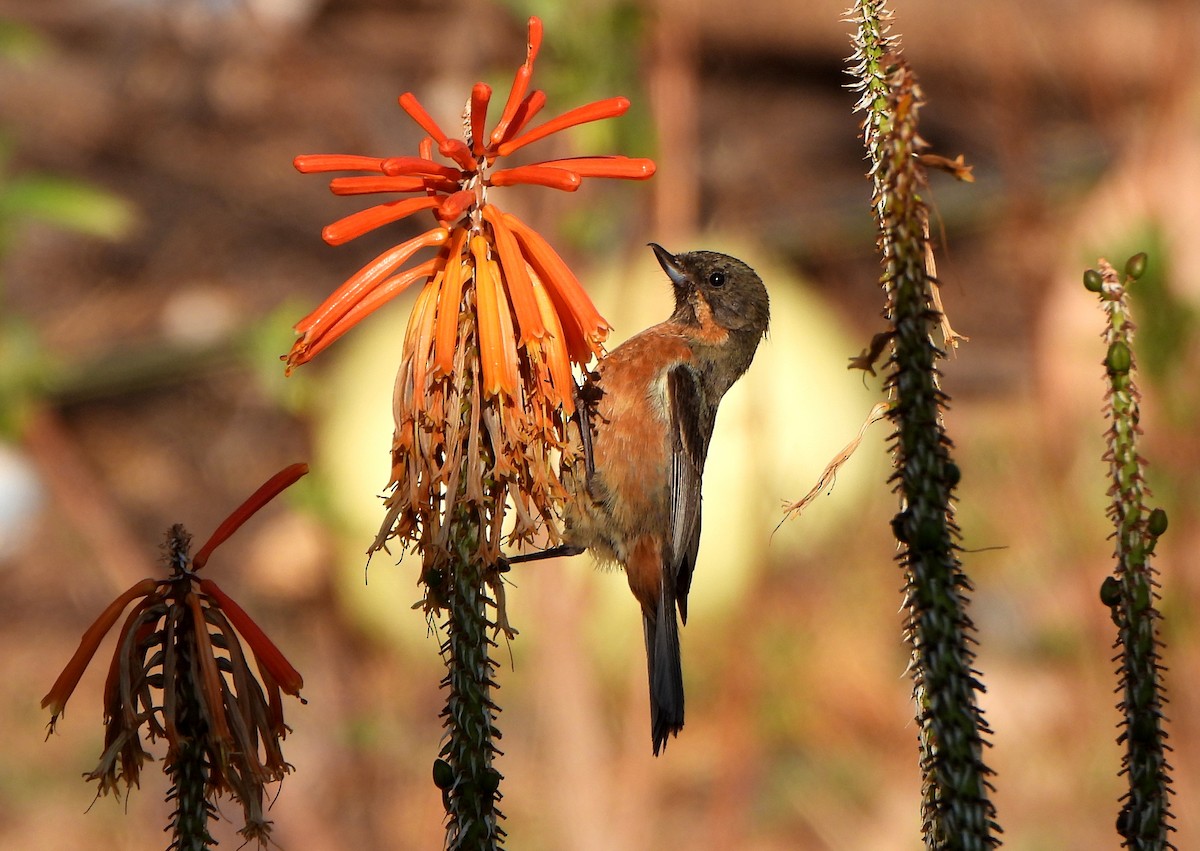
[(665, 670)]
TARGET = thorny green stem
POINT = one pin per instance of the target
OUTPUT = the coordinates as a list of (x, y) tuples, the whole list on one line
[(471, 785), (956, 810), (1144, 820), (187, 766)]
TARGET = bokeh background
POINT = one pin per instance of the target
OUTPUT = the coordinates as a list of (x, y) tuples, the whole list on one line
[(156, 246)]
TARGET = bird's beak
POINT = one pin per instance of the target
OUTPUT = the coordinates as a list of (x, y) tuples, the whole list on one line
[(670, 265)]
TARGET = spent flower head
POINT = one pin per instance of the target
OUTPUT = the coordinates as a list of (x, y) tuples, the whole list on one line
[(485, 386), (180, 673)]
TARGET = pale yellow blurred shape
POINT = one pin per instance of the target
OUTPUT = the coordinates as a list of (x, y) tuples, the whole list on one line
[(352, 453)]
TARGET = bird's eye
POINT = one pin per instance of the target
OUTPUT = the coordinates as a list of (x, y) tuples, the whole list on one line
[(717, 279)]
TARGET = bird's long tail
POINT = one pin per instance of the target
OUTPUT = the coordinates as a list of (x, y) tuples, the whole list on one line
[(665, 669)]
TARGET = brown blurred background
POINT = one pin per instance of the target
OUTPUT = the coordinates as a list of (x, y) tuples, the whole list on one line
[(156, 245)]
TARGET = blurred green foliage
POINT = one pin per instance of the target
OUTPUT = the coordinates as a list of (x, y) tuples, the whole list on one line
[(1166, 331), (586, 57), (20, 44), (64, 203), (60, 202)]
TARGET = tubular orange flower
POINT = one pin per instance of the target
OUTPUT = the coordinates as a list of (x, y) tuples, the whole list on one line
[(520, 290), (627, 168), (460, 153), (313, 163), (265, 651), (557, 357), (497, 331), (587, 328), (455, 205), (349, 293), (540, 175), (520, 82), (210, 698), (425, 313), (420, 166), (370, 185), (270, 489), (356, 224), (410, 104), (481, 95), (458, 189), (56, 699), (370, 301), (450, 307), (610, 108), (530, 106)]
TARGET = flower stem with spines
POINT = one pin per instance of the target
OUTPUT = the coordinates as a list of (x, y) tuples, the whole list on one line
[(956, 810), (187, 763), (189, 772), (1144, 821), (469, 716)]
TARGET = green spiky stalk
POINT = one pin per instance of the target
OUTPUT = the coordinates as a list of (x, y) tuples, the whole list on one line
[(956, 810), (469, 782), (187, 765), (1131, 593), (189, 781)]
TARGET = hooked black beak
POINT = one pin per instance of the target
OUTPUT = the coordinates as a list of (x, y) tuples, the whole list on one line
[(670, 265)]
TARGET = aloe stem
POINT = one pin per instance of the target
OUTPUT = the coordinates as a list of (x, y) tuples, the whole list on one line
[(470, 784), (956, 810), (1144, 822)]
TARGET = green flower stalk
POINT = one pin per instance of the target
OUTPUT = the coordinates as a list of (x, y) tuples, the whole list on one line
[(1131, 592), (464, 771), (956, 810)]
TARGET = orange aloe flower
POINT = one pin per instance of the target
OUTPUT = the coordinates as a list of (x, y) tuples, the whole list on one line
[(486, 384), (180, 672)]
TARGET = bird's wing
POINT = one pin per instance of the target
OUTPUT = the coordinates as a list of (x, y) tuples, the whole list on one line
[(691, 426)]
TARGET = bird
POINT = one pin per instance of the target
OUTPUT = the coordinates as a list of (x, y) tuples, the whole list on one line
[(644, 422)]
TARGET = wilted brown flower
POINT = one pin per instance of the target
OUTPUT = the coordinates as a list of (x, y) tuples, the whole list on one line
[(179, 673), (485, 386)]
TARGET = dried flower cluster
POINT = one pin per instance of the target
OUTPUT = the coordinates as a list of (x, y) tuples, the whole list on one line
[(180, 673), (485, 386)]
